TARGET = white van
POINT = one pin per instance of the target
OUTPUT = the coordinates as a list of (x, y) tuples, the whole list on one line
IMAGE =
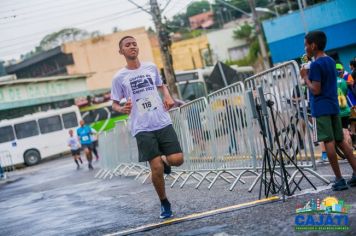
[(191, 84), (33, 137)]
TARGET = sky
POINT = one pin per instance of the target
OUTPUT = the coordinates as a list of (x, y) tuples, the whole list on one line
[(23, 23)]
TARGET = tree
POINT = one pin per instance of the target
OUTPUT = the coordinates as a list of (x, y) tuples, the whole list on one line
[(2, 68), (65, 35), (245, 32), (243, 5), (197, 8), (178, 23)]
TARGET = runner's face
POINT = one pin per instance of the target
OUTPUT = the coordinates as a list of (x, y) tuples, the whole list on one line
[(309, 48), (129, 48)]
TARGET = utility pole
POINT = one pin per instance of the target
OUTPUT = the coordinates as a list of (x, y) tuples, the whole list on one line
[(259, 34), (164, 45)]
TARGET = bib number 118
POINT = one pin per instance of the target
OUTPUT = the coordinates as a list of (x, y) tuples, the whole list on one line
[(146, 105)]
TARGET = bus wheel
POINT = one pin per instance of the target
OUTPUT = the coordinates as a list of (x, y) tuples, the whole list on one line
[(32, 157)]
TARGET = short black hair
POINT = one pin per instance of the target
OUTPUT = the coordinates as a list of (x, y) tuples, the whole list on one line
[(317, 37), (353, 63), (123, 38)]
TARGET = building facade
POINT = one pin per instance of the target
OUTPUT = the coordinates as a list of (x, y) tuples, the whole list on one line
[(101, 57), (225, 47), (19, 97), (337, 18)]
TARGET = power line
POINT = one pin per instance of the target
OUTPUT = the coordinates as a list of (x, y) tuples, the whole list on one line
[(48, 15), (12, 5), (138, 6), (45, 31), (165, 6), (184, 7), (113, 16), (61, 7), (10, 52)]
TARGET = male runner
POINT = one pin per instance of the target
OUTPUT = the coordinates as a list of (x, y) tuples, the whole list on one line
[(84, 132)]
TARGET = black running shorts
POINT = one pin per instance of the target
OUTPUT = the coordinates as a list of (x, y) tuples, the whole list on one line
[(75, 152), (157, 143)]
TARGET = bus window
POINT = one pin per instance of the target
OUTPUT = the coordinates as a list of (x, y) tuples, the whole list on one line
[(70, 120), (7, 134), (191, 91), (26, 129), (187, 76), (50, 124)]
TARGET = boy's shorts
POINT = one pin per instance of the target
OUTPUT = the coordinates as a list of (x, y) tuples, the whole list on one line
[(327, 128), (75, 152), (157, 143)]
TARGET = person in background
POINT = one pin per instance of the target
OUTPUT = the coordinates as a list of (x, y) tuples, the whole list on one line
[(345, 111), (353, 69), (94, 138), (2, 174), (322, 84), (74, 145), (83, 133)]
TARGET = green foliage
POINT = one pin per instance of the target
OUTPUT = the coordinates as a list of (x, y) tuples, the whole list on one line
[(192, 34), (179, 23), (251, 57), (244, 5), (197, 8), (65, 35), (2, 68), (244, 32)]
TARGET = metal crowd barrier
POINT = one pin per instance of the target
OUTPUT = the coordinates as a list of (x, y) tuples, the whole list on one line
[(282, 85), (6, 161), (219, 136), (120, 155)]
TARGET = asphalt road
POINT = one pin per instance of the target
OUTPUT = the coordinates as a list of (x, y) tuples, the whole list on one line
[(54, 198)]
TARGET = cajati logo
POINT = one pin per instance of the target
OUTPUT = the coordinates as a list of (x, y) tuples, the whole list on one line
[(329, 214)]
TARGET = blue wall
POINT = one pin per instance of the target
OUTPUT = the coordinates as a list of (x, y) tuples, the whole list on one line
[(285, 34), (346, 54)]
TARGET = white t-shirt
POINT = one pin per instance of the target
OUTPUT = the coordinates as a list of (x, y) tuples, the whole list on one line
[(148, 112), (73, 143)]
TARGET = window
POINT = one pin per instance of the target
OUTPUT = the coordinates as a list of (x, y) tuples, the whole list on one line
[(191, 91), (26, 129), (238, 53), (50, 124), (70, 120), (7, 134), (187, 76)]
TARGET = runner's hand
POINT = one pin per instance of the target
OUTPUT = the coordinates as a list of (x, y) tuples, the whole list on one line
[(127, 107), (168, 102)]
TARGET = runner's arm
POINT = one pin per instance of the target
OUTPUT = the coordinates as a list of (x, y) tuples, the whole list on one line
[(167, 98)]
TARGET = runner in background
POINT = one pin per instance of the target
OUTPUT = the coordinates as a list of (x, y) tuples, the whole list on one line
[(74, 145), (94, 138), (84, 132)]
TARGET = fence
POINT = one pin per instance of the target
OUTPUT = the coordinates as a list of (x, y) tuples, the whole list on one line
[(120, 155), (220, 137), (6, 161)]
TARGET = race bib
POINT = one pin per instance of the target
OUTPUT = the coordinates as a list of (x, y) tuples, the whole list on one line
[(146, 104), (85, 138)]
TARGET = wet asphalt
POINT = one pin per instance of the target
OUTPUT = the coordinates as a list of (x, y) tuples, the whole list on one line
[(53, 198)]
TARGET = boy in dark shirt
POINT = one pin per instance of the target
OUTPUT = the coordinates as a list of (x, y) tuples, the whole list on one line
[(321, 82)]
